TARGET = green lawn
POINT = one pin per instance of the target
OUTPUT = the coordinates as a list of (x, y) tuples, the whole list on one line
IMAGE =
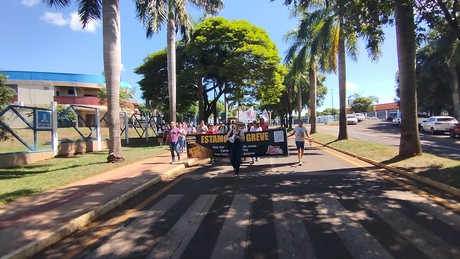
[(56, 172), (436, 168)]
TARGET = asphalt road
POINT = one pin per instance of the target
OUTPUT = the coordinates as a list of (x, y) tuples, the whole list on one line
[(332, 206), (383, 132)]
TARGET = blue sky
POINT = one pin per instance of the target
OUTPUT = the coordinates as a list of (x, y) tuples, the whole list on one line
[(36, 37)]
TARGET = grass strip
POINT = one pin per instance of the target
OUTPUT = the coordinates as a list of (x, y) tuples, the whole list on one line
[(436, 168)]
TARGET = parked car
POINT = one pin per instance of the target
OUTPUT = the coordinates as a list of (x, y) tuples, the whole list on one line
[(352, 119), (421, 117), (397, 120), (360, 117), (391, 116), (454, 130), (438, 124)]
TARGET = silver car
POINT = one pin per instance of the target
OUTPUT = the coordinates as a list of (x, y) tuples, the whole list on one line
[(438, 124)]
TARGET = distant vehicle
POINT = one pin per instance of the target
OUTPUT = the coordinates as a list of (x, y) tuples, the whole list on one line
[(454, 130), (421, 117), (391, 116), (352, 119), (397, 120), (360, 117), (436, 124)]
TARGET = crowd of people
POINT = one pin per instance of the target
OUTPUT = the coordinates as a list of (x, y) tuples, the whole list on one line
[(174, 135)]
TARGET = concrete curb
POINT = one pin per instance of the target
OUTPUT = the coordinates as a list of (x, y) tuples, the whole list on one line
[(441, 186), (78, 223)]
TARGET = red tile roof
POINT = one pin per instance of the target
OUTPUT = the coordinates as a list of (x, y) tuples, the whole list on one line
[(387, 106)]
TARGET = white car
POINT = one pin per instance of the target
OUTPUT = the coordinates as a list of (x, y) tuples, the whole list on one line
[(352, 119), (438, 124), (397, 120), (360, 116)]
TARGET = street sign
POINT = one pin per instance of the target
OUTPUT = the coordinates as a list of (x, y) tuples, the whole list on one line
[(43, 120)]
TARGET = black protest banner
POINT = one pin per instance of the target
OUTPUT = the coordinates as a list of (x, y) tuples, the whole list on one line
[(262, 143)]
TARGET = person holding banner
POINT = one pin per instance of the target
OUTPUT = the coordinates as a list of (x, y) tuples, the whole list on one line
[(235, 137), (301, 134)]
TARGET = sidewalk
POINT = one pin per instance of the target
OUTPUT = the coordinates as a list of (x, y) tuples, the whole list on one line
[(33, 223)]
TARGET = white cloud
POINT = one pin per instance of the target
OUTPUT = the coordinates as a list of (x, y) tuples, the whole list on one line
[(54, 18), (30, 3), (351, 86), (76, 25), (73, 21), (122, 68)]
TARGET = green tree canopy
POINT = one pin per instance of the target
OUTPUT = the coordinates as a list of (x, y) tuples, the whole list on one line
[(6, 94), (154, 84), (236, 58), (361, 104)]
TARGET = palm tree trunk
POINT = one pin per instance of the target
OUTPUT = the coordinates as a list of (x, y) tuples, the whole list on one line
[(343, 132), (312, 77), (299, 100), (171, 56), (112, 66), (409, 145)]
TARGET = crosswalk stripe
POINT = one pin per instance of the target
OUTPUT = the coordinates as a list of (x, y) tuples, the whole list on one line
[(431, 245), (175, 242), (359, 242), (232, 240), (124, 242), (291, 234)]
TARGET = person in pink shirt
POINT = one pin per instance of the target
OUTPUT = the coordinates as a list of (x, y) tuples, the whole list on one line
[(173, 139), (263, 124)]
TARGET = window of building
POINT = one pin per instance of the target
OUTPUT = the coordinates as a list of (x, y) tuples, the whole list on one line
[(71, 91)]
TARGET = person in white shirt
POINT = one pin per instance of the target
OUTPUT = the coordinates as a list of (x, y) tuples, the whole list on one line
[(191, 129), (301, 134)]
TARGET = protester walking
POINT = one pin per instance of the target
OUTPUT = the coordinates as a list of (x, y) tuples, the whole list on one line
[(161, 130), (301, 134), (255, 128), (222, 129), (235, 137), (202, 128), (183, 131), (191, 129), (173, 139), (263, 124)]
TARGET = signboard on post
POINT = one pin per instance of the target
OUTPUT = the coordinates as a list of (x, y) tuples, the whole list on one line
[(262, 143), (43, 120)]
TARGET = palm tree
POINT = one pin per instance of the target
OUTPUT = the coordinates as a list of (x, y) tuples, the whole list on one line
[(409, 145), (90, 10), (309, 45), (154, 13)]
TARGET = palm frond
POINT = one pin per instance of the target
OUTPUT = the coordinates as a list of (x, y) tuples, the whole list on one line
[(90, 10)]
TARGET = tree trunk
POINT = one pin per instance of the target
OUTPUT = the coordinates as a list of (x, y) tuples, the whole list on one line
[(171, 56), (313, 85), (455, 93), (343, 133), (405, 37), (112, 65), (200, 101), (299, 100)]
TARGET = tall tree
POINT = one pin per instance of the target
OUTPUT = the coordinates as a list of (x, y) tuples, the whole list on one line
[(89, 10), (409, 145), (308, 50), (236, 58), (154, 13)]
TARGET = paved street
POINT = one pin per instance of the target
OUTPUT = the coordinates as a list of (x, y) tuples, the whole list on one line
[(332, 206), (383, 132)]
